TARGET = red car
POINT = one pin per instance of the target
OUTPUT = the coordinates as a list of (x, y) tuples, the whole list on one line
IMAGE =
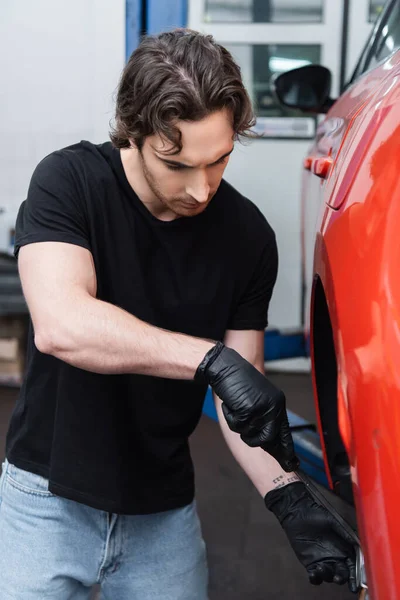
[(351, 203)]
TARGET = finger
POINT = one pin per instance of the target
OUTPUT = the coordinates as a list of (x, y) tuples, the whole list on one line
[(234, 423), (273, 448), (287, 440), (324, 570), (327, 571), (351, 566), (320, 573), (253, 441), (341, 573), (282, 449), (288, 463), (259, 433), (287, 458), (270, 444), (314, 578)]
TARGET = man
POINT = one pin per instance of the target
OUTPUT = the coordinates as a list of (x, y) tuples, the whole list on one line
[(147, 278)]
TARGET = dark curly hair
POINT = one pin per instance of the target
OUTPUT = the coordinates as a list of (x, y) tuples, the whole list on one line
[(181, 74)]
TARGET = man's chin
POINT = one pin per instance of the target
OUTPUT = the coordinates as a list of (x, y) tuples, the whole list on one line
[(189, 210)]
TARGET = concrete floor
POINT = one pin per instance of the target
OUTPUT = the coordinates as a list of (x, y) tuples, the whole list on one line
[(249, 556)]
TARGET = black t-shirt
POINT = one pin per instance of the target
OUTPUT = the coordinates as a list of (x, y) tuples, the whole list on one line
[(119, 443)]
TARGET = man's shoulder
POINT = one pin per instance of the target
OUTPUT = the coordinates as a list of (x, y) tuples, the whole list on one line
[(240, 211), (82, 155), (74, 166)]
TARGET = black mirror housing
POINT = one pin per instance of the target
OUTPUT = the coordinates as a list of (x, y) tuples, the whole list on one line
[(306, 89)]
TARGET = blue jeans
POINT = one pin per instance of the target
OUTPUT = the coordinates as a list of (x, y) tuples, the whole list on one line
[(54, 548)]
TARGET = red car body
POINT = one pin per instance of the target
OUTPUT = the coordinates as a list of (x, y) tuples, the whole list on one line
[(352, 175)]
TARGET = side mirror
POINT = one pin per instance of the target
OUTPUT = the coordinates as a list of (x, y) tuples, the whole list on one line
[(307, 89)]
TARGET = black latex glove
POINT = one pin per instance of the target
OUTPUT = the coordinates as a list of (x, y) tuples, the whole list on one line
[(252, 405), (322, 546)]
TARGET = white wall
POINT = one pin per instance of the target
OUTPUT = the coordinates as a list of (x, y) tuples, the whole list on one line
[(268, 172), (60, 61)]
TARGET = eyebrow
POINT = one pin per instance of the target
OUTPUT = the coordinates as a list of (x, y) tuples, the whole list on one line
[(179, 164)]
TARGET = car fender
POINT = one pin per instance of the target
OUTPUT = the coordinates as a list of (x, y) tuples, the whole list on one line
[(357, 258)]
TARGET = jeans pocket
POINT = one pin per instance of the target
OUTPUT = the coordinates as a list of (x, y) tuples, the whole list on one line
[(27, 482)]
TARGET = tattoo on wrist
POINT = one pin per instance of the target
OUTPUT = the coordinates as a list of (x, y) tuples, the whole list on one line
[(292, 479), (281, 481), (278, 479), (280, 485)]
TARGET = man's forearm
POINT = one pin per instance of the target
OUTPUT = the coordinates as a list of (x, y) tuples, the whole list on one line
[(99, 337), (261, 468)]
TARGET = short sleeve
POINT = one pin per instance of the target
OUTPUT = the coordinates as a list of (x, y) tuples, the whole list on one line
[(251, 312), (54, 208)]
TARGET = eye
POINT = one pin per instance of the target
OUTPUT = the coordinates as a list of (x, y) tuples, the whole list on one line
[(174, 168), (221, 161), (171, 167)]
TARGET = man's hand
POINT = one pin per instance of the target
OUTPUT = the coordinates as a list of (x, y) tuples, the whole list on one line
[(252, 405), (320, 544)]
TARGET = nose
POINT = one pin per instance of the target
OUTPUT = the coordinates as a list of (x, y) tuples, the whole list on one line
[(198, 187)]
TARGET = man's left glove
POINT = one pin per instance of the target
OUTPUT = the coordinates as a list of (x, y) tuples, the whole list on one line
[(320, 544)]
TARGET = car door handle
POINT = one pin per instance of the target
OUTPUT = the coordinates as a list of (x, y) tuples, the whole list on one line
[(322, 166)]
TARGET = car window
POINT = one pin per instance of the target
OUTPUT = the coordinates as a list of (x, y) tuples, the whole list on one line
[(384, 39), (387, 40)]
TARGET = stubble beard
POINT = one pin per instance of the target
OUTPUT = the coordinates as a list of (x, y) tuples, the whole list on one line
[(172, 205)]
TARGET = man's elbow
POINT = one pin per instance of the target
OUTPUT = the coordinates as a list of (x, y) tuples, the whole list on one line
[(52, 341)]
